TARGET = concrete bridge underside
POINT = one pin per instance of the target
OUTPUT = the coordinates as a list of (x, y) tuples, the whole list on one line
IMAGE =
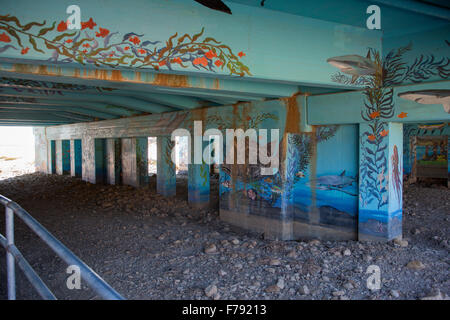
[(95, 95)]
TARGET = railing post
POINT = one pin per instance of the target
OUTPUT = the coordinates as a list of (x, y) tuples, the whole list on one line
[(10, 263)]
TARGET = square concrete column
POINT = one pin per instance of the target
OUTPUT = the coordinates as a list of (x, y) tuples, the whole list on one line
[(51, 164), (380, 181), (113, 161), (75, 158), (135, 161), (41, 158), (198, 181), (93, 162), (62, 156), (448, 162), (166, 172)]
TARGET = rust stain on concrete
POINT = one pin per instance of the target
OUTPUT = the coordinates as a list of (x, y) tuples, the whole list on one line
[(216, 84), (171, 80), (292, 114), (292, 125)]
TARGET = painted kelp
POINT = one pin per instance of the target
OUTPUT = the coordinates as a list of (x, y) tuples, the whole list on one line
[(284, 204), (381, 156), (321, 182), (99, 47)]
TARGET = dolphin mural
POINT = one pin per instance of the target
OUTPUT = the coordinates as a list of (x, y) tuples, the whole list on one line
[(334, 182), (429, 97), (354, 65)]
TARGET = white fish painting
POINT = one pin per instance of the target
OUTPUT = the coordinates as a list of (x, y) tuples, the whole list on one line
[(354, 65), (429, 97)]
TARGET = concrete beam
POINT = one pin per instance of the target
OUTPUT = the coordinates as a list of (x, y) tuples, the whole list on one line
[(249, 31), (346, 108)]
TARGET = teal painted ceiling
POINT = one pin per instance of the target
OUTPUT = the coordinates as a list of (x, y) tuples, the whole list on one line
[(30, 99), (397, 16)]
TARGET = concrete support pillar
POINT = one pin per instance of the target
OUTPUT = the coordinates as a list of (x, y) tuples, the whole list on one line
[(198, 182), (166, 172), (75, 158), (113, 161), (135, 161), (380, 181), (51, 164), (448, 162), (62, 151), (41, 154), (94, 162)]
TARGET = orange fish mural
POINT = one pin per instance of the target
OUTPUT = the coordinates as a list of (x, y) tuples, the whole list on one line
[(403, 115), (374, 114), (384, 133), (371, 137)]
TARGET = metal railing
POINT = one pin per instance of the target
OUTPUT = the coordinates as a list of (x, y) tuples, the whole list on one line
[(13, 255)]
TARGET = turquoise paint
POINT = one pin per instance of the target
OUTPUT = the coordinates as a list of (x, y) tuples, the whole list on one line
[(380, 187), (100, 160), (65, 153), (166, 174), (249, 30), (394, 21), (52, 168), (345, 108), (77, 157), (198, 182), (427, 48)]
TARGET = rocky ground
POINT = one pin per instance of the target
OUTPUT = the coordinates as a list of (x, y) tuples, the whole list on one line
[(14, 166), (148, 247)]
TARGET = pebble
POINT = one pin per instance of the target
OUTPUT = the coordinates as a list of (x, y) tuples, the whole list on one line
[(235, 241), (415, 265), (400, 242), (280, 283), (395, 293), (274, 262), (347, 252), (304, 290), (292, 254), (338, 293), (210, 290), (436, 294), (273, 289), (211, 249)]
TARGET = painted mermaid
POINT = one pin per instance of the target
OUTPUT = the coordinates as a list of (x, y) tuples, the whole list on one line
[(396, 173)]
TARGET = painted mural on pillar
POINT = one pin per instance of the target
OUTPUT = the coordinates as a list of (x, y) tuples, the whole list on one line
[(98, 46), (380, 193), (321, 185), (435, 155)]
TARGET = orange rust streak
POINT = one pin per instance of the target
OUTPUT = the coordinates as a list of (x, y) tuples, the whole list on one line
[(171, 80), (292, 114), (216, 84)]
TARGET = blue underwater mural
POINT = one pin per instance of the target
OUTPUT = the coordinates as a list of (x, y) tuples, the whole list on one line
[(322, 184), (424, 130)]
